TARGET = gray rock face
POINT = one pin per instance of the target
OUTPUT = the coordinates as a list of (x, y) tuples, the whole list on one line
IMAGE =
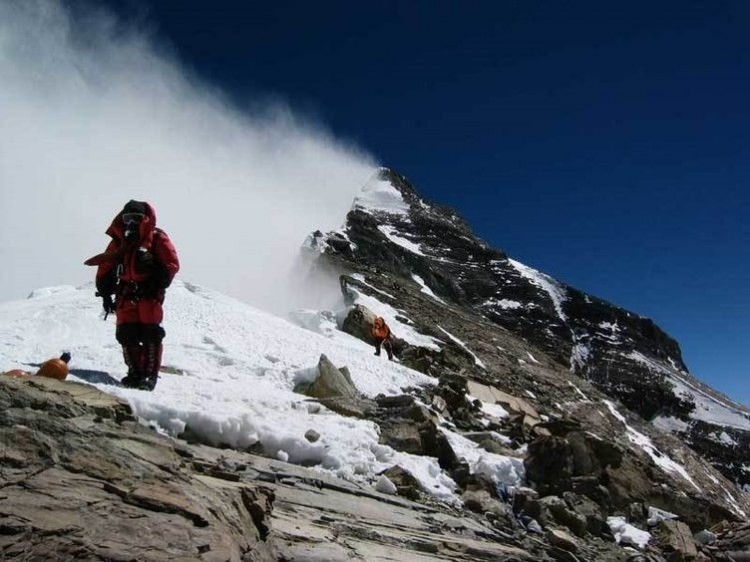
[(82, 480), (675, 539), (621, 353), (333, 387)]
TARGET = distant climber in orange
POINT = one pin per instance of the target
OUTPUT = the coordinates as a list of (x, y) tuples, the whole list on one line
[(382, 335)]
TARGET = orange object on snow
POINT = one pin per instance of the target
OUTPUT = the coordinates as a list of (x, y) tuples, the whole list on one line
[(55, 368), (16, 373)]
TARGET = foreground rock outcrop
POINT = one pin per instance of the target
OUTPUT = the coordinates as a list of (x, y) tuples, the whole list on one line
[(81, 479)]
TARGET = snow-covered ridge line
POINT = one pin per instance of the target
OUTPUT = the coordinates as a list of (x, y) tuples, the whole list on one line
[(644, 442), (378, 195), (425, 289), (361, 278), (708, 408), (555, 291), (463, 345), (231, 374), (390, 233), (236, 368)]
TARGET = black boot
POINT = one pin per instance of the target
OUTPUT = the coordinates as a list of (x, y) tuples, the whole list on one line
[(132, 355), (132, 380), (148, 382)]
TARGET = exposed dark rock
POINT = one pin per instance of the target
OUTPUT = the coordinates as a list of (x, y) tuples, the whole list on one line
[(554, 510), (490, 443), (596, 521), (676, 541), (732, 542), (720, 445), (312, 436), (554, 461)]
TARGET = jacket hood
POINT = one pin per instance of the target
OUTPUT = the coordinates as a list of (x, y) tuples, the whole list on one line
[(145, 230)]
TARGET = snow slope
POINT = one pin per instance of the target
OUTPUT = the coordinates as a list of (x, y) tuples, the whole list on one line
[(231, 370)]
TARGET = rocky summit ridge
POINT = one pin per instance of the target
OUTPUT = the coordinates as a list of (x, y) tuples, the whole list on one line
[(598, 377), (622, 354)]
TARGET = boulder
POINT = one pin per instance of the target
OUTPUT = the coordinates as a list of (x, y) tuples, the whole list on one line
[(481, 501), (593, 514), (421, 438), (418, 358), (562, 540), (676, 541), (490, 442), (555, 510), (332, 382), (312, 436), (358, 323), (334, 389), (556, 463), (406, 484)]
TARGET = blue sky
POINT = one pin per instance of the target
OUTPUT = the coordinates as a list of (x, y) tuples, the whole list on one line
[(605, 143)]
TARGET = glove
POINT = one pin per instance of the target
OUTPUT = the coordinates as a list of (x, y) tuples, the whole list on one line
[(108, 304), (144, 262), (155, 284)]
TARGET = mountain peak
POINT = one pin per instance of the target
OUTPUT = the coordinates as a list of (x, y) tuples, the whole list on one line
[(624, 355)]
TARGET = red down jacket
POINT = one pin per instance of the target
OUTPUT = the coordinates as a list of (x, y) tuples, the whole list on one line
[(121, 268)]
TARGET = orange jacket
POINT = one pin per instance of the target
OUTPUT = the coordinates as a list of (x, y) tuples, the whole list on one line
[(380, 329)]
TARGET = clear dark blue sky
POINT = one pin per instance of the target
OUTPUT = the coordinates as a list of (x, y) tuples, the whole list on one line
[(606, 143)]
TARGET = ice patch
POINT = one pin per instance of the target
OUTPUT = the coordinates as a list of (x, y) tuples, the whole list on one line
[(361, 278), (462, 344), (626, 534), (425, 289), (499, 468), (670, 424), (388, 232), (579, 391), (708, 408), (51, 291), (379, 195), (506, 304)]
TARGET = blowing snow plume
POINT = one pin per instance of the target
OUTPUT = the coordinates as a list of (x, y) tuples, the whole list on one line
[(92, 115)]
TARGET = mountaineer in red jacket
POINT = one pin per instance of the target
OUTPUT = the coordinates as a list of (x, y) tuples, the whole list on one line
[(137, 266), (381, 333)]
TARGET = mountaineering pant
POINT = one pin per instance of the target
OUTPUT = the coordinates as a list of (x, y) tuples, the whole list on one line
[(386, 343), (139, 333)]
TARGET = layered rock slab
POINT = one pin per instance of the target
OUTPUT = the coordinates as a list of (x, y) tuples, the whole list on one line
[(81, 479)]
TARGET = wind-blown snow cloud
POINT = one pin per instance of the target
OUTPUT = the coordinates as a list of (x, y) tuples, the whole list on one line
[(92, 115)]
